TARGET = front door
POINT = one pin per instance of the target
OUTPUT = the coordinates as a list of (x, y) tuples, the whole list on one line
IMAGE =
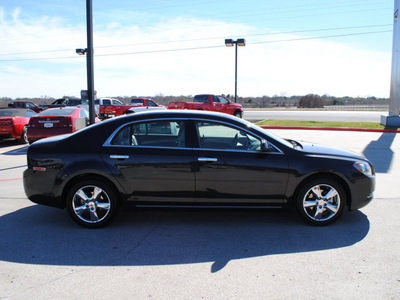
[(230, 168)]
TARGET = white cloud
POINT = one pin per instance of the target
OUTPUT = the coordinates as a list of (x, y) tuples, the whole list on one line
[(293, 68)]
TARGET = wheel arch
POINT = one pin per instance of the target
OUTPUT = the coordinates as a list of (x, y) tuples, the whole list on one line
[(87, 176), (238, 112)]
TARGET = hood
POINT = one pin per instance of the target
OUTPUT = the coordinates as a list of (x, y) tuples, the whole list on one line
[(321, 150)]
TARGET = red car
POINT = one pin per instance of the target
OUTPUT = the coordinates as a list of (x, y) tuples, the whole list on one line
[(56, 121), (13, 123)]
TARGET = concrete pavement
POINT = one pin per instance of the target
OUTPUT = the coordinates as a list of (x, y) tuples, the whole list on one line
[(206, 254)]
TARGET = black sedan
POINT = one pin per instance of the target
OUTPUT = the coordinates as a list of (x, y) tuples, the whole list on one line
[(191, 158)]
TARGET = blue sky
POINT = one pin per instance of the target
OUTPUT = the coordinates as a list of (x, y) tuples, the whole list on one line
[(176, 47)]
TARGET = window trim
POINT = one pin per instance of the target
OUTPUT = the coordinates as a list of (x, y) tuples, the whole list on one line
[(278, 151), (189, 122), (107, 143)]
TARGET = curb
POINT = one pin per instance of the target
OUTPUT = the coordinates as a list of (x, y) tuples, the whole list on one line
[(331, 128)]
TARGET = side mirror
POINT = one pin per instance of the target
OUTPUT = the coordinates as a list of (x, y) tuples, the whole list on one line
[(265, 146)]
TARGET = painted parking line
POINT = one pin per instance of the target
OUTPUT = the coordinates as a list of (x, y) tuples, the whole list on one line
[(10, 179), (11, 168)]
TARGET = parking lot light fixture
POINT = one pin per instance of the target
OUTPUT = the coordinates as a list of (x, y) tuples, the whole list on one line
[(229, 42), (81, 51), (240, 43)]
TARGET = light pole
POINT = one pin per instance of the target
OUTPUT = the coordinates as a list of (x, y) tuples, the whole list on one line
[(230, 43), (89, 60)]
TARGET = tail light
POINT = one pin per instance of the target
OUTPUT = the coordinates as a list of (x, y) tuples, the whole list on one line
[(6, 122)]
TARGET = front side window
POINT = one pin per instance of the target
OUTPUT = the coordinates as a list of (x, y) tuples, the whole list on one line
[(158, 133), (214, 135), (222, 99)]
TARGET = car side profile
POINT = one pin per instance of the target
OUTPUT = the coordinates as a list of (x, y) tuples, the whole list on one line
[(192, 158)]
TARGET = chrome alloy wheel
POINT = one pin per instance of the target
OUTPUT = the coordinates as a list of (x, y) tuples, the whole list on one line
[(91, 204), (321, 202)]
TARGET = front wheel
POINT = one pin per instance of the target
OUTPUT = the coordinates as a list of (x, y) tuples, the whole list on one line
[(237, 114), (321, 201), (92, 203)]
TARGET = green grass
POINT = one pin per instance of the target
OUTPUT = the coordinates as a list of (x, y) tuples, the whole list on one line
[(294, 123)]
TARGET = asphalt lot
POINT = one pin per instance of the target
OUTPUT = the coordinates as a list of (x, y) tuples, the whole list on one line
[(205, 254)]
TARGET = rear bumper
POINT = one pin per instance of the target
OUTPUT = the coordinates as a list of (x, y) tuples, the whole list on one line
[(38, 190)]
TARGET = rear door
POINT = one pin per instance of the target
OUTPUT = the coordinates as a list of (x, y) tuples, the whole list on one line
[(153, 161), (230, 168)]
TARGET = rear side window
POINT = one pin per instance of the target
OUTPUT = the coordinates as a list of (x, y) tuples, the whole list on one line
[(159, 133), (201, 98)]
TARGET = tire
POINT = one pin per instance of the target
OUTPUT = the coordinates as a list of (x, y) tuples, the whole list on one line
[(89, 210), (238, 114), (24, 137), (321, 201)]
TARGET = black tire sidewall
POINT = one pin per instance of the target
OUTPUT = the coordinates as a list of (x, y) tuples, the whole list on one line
[(237, 114), (24, 136)]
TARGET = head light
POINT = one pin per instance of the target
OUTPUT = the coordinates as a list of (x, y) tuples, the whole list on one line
[(364, 168)]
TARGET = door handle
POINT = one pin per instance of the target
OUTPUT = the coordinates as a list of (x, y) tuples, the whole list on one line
[(119, 156), (207, 159)]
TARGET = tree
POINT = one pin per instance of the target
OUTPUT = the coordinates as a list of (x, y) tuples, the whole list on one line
[(311, 101)]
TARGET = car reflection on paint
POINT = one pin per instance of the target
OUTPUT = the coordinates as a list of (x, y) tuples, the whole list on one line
[(191, 158)]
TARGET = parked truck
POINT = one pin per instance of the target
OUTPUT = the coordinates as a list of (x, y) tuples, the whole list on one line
[(63, 102), (25, 105), (210, 103), (113, 108)]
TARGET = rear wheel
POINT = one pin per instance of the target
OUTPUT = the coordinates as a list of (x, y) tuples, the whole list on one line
[(24, 137), (92, 203), (321, 201)]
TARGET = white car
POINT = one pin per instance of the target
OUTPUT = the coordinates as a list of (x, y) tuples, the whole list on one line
[(144, 108)]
